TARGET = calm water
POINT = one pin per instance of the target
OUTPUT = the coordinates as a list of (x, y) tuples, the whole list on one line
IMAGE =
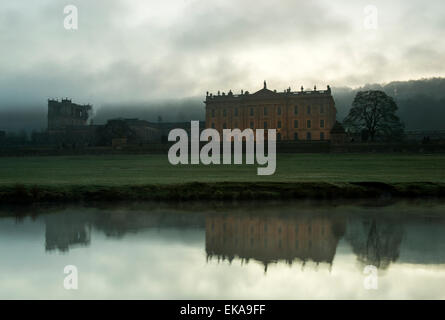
[(297, 250)]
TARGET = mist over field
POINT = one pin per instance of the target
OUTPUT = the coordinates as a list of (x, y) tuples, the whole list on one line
[(95, 204), (421, 107)]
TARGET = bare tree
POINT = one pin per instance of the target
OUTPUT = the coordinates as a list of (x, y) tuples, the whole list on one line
[(374, 113)]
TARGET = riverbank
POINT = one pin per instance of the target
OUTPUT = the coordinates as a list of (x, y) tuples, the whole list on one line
[(152, 177), (27, 194)]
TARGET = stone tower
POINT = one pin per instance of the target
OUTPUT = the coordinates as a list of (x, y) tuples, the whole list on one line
[(62, 114)]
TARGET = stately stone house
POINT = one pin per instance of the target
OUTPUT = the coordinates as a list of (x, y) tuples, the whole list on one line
[(296, 115)]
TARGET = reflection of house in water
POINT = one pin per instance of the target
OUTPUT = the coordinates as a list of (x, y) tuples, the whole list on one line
[(270, 238), (65, 230)]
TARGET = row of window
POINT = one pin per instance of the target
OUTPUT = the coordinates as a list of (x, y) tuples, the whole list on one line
[(254, 243), (252, 228), (266, 229), (265, 111), (308, 124), (296, 136)]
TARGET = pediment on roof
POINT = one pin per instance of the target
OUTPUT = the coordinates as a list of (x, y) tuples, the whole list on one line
[(264, 93)]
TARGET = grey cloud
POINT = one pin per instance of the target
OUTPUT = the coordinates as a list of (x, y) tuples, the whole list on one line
[(250, 23), (184, 49)]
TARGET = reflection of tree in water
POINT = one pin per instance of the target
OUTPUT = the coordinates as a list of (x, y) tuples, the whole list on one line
[(375, 242)]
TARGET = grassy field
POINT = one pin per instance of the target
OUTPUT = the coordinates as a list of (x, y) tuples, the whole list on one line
[(155, 169), (151, 177)]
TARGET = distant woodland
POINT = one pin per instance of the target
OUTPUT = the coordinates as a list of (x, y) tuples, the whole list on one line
[(421, 107)]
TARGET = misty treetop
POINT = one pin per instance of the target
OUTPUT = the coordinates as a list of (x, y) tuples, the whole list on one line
[(373, 114), (421, 106)]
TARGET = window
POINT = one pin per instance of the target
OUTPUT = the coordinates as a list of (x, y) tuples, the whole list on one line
[(224, 112), (213, 125), (278, 136), (236, 125), (321, 123), (308, 109), (279, 110), (213, 113), (321, 135), (251, 111), (224, 126), (265, 124), (308, 124), (251, 124), (265, 111), (236, 112), (295, 136), (308, 136), (279, 124), (296, 124), (322, 109), (296, 110)]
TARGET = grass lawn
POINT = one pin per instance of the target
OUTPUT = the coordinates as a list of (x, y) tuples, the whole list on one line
[(155, 169)]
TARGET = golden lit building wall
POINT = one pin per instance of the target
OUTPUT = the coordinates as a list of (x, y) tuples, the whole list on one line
[(300, 115)]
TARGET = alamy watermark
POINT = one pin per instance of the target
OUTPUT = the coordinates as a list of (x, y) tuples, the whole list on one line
[(211, 152), (371, 281), (71, 281), (71, 21), (371, 19)]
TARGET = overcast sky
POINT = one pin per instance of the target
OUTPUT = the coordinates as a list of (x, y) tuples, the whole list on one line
[(139, 50)]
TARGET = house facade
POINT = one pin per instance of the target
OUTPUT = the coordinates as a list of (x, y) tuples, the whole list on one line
[(296, 115)]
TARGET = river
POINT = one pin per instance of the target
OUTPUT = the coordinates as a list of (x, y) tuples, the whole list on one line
[(260, 250)]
